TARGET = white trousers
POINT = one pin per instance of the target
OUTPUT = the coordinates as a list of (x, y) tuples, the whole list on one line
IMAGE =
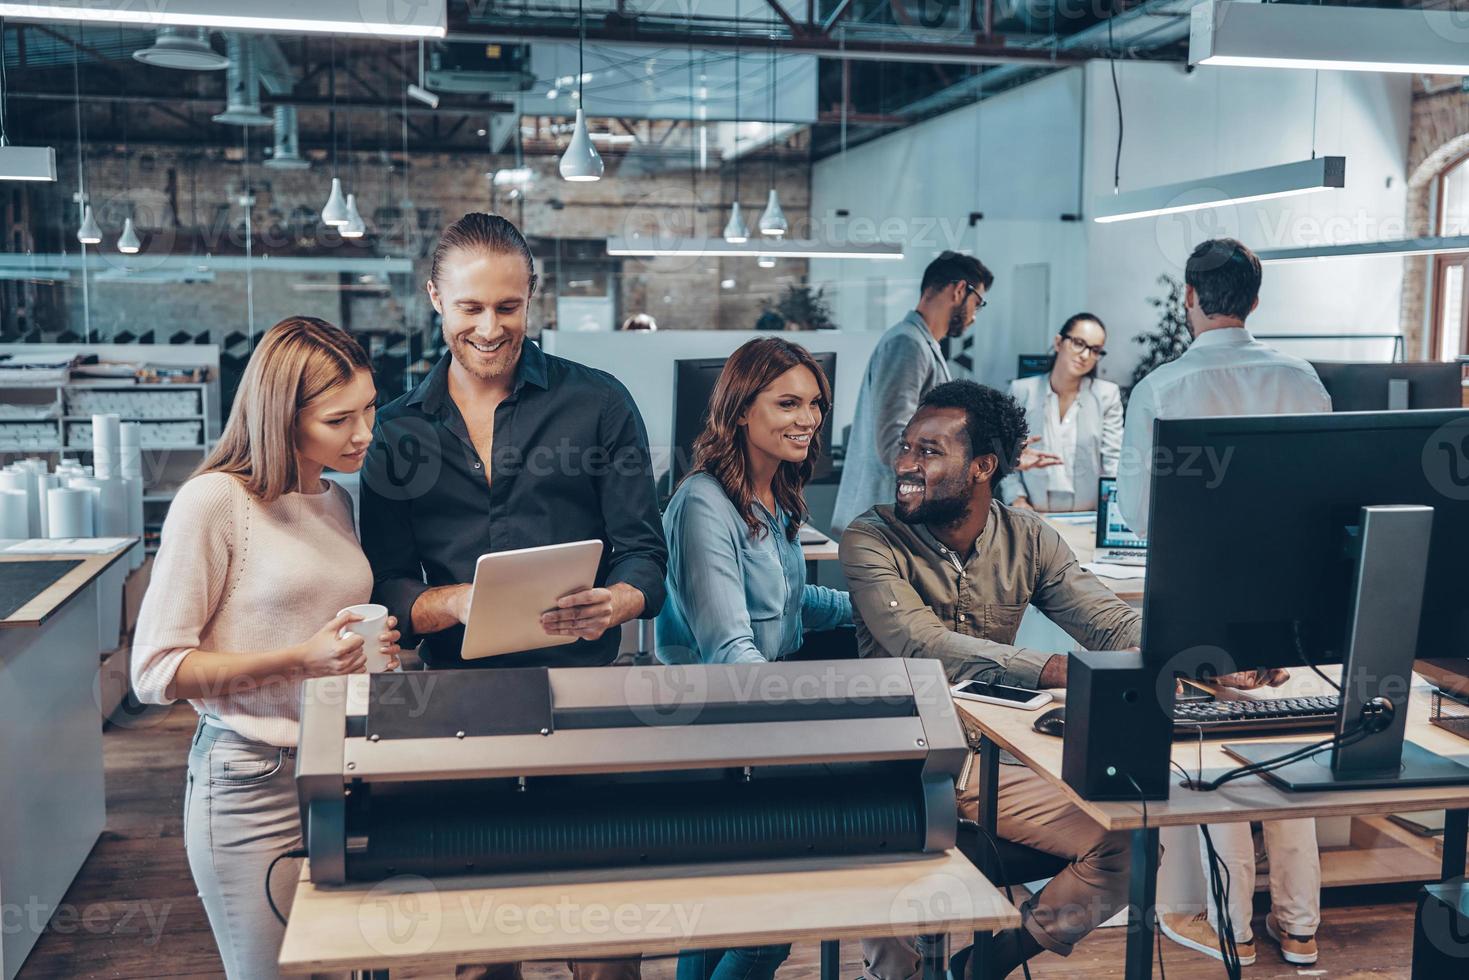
[(1295, 874)]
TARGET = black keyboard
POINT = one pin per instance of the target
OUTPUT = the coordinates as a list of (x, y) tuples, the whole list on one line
[(1270, 715)]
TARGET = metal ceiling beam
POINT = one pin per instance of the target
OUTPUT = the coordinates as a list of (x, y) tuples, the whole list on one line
[(300, 101), (978, 52)]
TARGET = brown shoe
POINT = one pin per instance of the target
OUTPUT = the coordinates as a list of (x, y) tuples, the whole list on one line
[(1195, 932), (1295, 949)]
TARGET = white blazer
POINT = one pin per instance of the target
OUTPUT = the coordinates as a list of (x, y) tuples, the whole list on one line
[(1098, 439)]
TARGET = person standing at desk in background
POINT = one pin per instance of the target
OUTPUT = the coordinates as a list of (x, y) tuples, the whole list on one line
[(905, 365), (258, 555), (947, 572), (737, 589), (502, 447), (1082, 422), (1225, 371)]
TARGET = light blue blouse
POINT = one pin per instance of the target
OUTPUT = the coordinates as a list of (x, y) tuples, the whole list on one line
[(734, 597)]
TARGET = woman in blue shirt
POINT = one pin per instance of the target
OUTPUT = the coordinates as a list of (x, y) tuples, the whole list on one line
[(737, 589)]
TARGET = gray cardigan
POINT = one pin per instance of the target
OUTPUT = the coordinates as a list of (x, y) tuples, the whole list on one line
[(906, 364), (1098, 439)]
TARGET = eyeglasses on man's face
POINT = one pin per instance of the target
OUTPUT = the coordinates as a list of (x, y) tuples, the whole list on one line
[(970, 290), (1081, 348)]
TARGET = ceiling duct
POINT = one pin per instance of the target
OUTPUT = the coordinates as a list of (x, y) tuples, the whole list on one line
[(287, 153), (182, 48), (242, 85)]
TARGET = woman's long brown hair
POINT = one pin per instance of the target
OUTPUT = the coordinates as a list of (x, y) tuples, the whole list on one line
[(720, 448), (296, 361)]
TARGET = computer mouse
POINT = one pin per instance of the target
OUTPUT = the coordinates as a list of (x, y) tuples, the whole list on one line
[(1053, 722)]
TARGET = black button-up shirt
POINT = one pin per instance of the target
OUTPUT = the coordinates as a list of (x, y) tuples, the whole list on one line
[(570, 462)]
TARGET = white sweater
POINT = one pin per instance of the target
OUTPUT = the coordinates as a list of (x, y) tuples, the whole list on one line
[(234, 575)]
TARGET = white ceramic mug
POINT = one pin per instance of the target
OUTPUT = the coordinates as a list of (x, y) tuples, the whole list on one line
[(374, 623)]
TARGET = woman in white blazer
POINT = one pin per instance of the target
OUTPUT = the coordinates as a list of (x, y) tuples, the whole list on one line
[(1078, 417)]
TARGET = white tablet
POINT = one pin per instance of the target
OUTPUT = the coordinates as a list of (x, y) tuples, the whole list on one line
[(513, 588)]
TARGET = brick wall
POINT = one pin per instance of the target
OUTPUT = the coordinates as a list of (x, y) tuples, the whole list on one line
[(186, 201), (1438, 135)]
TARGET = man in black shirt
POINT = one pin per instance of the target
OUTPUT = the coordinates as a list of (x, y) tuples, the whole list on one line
[(502, 447)]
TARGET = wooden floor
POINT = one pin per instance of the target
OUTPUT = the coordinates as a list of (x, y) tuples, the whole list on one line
[(133, 912)]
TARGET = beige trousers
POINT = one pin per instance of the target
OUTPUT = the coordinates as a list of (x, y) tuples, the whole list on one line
[(1083, 896)]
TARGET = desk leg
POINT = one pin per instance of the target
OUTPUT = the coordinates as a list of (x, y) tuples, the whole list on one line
[(831, 959), (934, 949), (989, 817), (1455, 843), (1142, 902)]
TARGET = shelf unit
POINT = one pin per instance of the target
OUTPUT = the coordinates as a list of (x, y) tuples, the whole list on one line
[(165, 466)]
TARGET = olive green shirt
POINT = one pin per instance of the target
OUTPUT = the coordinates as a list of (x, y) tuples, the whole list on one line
[(913, 597)]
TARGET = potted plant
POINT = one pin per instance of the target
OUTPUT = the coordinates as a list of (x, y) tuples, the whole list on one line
[(1171, 336)]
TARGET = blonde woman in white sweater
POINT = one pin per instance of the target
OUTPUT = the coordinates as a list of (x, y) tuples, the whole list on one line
[(258, 555)]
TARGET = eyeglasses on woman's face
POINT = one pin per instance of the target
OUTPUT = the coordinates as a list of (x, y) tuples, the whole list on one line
[(1081, 348)]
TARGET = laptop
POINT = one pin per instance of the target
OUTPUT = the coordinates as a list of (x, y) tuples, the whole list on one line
[(1116, 544)]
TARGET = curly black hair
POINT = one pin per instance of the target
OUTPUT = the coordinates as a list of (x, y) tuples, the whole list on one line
[(995, 421)]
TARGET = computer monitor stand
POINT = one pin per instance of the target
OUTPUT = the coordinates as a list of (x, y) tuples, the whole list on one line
[(1377, 675)]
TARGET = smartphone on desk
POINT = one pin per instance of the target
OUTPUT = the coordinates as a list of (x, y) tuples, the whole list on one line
[(1010, 697)]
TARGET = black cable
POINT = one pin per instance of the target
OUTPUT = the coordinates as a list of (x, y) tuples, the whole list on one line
[(1219, 885), (1117, 95), (299, 852), (1295, 628), (1350, 737)]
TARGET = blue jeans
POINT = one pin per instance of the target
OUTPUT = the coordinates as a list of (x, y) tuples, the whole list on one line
[(747, 963)]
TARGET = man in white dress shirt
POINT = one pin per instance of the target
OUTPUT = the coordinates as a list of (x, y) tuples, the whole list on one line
[(1225, 371)]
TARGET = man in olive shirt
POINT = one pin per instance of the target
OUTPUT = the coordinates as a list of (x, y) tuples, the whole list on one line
[(947, 572)]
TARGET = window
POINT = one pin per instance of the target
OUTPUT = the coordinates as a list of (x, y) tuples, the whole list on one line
[(1450, 336)]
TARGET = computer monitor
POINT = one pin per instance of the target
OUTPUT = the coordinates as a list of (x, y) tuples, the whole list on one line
[(693, 385), (1112, 530), (1029, 365), (1261, 554), (1378, 387)]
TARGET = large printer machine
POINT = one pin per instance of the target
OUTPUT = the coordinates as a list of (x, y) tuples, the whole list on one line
[(439, 773)]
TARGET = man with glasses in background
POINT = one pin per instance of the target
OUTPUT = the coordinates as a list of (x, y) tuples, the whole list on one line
[(906, 365)]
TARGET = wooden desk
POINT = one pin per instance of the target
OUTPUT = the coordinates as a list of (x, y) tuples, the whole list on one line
[(1082, 539), (410, 921), (51, 728), (1251, 798)]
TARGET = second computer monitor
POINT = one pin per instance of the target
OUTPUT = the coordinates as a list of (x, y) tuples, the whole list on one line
[(1253, 529), (693, 385), (1378, 387)]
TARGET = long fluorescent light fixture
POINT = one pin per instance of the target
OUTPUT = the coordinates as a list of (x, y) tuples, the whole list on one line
[(1397, 246), (27, 162), (1285, 35), (377, 18), (1304, 177), (718, 247)]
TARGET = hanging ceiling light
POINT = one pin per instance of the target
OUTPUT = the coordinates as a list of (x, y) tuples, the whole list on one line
[(182, 48), (773, 222), (735, 230), (766, 262), (581, 162), (1271, 35), (422, 18), (1302, 177), (355, 226), (128, 242), (89, 233), (335, 212)]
